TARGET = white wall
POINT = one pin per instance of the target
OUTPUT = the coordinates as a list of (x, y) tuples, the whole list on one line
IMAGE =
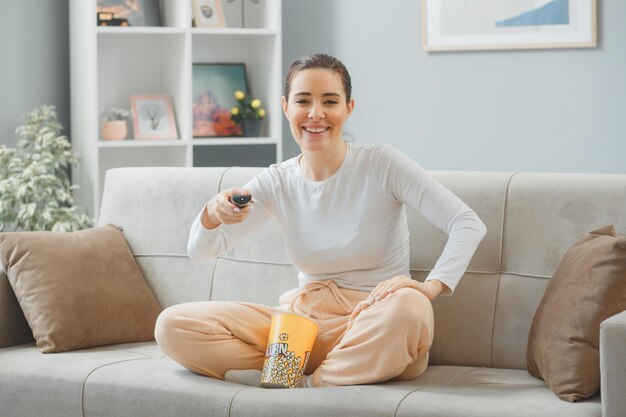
[(34, 62), (559, 110)]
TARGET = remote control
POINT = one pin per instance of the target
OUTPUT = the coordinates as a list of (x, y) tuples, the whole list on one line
[(241, 200)]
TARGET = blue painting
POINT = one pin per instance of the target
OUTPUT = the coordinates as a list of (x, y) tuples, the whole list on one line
[(555, 12)]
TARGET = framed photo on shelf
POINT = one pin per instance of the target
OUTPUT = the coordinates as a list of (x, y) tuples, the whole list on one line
[(153, 116), (128, 13), (213, 89), (233, 13), (457, 25), (208, 14)]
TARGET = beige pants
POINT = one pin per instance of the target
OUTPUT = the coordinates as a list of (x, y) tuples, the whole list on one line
[(388, 339)]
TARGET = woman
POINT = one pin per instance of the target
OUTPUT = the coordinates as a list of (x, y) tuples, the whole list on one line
[(341, 209)]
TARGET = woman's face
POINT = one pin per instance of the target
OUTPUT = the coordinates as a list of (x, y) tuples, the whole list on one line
[(317, 109)]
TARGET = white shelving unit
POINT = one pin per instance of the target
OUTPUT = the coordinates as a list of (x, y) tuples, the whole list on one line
[(108, 64)]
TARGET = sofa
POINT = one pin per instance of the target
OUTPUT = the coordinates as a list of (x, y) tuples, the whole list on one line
[(477, 361)]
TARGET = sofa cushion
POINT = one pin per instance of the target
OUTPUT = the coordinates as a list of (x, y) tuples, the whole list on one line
[(78, 289), (588, 286), (138, 379), (32, 384), (444, 391)]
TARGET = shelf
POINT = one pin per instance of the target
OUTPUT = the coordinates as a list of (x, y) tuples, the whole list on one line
[(233, 32), (143, 30), (109, 64), (218, 141), (162, 30), (233, 141), (135, 143)]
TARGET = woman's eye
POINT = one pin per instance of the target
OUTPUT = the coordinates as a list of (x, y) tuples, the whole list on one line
[(331, 102), (301, 101)]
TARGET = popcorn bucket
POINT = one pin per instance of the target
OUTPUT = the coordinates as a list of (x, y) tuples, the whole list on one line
[(289, 346)]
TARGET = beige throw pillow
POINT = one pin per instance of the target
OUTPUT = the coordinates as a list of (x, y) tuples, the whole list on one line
[(79, 289), (588, 286)]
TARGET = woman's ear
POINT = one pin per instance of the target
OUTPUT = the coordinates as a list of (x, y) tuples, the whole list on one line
[(283, 103), (350, 107)]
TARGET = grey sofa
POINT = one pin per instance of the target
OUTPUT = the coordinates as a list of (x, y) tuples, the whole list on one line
[(477, 365)]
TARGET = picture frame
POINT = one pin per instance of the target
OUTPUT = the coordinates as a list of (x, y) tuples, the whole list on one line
[(128, 13), (153, 116), (208, 13), (461, 25), (213, 89), (233, 13)]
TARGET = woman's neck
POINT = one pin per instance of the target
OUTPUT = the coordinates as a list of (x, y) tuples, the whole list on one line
[(317, 166)]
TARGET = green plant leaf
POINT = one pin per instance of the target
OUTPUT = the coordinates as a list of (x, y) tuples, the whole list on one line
[(35, 189)]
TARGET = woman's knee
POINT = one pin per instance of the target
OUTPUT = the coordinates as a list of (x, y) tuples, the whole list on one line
[(175, 321), (410, 306), (166, 325), (192, 322)]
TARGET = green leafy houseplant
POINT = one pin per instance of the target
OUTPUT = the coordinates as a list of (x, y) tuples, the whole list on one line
[(248, 114), (248, 108), (35, 188), (114, 123), (113, 113)]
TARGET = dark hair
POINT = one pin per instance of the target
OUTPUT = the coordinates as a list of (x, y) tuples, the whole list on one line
[(319, 61)]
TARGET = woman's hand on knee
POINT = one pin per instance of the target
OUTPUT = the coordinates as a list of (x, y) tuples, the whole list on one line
[(382, 290), (431, 289)]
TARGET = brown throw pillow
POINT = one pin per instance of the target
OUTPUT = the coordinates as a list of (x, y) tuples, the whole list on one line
[(588, 286), (79, 289)]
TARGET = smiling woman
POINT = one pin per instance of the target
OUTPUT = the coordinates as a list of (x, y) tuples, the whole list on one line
[(341, 207), (317, 110), (317, 103)]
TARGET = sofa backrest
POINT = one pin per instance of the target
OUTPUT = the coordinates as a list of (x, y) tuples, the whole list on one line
[(531, 219)]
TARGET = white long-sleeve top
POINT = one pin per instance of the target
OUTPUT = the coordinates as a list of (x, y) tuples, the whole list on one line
[(352, 226)]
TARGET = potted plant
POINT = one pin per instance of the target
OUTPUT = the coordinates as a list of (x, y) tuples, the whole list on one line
[(35, 188), (114, 125), (248, 114)]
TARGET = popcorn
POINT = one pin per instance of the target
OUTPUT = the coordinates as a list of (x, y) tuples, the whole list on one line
[(288, 350), (284, 369)]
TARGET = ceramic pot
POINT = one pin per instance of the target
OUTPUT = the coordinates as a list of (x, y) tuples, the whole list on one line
[(114, 130), (251, 127)]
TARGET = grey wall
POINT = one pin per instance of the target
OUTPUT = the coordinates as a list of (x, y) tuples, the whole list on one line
[(541, 110), (34, 69), (559, 110)]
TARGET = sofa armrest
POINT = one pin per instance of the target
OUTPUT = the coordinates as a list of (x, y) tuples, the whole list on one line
[(613, 365), (14, 328)]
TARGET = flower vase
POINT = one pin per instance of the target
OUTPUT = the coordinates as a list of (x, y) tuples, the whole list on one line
[(114, 130), (251, 127)]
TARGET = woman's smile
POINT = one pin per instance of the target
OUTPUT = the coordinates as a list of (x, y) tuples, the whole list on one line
[(315, 130)]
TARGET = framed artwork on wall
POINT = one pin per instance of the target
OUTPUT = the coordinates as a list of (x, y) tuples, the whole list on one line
[(213, 89), (153, 116), (208, 14), (128, 13), (457, 25)]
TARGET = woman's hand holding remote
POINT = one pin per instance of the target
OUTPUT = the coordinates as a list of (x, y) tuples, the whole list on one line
[(224, 209)]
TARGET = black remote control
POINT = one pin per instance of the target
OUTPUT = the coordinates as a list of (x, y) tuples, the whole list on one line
[(241, 200)]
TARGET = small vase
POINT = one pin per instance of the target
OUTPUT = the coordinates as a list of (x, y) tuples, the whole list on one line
[(114, 130), (251, 127)]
